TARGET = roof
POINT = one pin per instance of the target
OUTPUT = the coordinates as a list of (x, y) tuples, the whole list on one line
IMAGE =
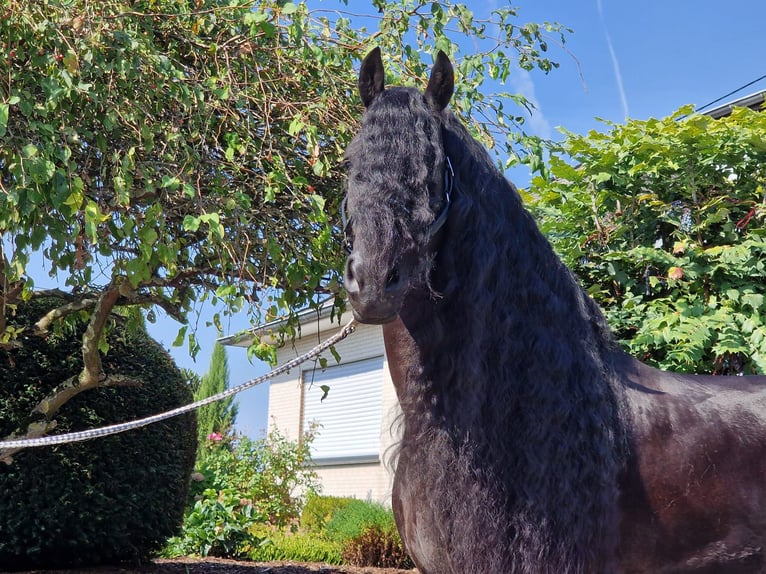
[(311, 321), (753, 101)]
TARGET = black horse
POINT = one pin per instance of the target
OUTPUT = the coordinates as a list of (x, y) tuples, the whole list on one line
[(531, 443)]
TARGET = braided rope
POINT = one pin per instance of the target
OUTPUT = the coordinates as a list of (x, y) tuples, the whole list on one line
[(130, 425)]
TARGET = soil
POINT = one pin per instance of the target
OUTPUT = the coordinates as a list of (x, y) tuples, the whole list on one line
[(222, 566)]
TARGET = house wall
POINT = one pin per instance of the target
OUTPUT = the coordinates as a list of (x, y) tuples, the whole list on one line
[(367, 480)]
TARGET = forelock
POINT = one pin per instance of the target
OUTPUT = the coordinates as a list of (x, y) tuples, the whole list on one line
[(399, 126)]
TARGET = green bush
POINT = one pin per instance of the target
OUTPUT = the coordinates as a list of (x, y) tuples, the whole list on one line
[(319, 510), (366, 531), (302, 547), (108, 500), (219, 524), (339, 530), (243, 485), (663, 222), (377, 547), (352, 519)]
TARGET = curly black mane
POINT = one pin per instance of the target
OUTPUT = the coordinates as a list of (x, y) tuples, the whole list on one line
[(527, 349)]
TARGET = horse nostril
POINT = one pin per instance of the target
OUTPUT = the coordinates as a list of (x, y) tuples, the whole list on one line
[(393, 281), (352, 283)]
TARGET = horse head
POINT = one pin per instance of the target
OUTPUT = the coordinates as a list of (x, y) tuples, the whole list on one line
[(399, 180)]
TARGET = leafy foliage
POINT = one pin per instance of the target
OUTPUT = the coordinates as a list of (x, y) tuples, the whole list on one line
[(352, 519), (220, 523), (223, 172), (242, 485), (365, 530), (160, 153), (109, 500), (338, 531), (663, 221)]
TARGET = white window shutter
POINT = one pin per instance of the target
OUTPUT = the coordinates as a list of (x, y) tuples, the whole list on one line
[(349, 417)]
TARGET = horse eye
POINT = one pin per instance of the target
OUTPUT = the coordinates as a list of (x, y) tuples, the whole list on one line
[(348, 241)]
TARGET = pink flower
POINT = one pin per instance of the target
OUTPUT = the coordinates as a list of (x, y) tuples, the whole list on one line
[(215, 437)]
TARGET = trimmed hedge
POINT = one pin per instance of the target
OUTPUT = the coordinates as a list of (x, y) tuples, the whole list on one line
[(105, 501)]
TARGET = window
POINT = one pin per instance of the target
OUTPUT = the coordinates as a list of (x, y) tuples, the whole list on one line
[(349, 417)]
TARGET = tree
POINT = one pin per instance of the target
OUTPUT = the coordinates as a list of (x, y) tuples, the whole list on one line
[(217, 418), (663, 221), (162, 153)]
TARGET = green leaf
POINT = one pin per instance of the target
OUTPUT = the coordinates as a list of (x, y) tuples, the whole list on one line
[(171, 183), (137, 272), (602, 177), (753, 300), (29, 150), (4, 109), (180, 337), (191, 223), (295, 126), (148, 237), (93, 218)]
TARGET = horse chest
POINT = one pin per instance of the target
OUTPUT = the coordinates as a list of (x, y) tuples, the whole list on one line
[(446, 520)]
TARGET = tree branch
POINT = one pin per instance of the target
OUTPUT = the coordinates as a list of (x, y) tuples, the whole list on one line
[(54, 314), (91, 376), (43, 426)]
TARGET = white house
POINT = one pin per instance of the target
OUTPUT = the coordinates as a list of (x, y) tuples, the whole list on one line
[(356, 419)]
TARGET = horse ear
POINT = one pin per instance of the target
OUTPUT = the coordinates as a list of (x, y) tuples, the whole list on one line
[(441, 85), (371, 77)]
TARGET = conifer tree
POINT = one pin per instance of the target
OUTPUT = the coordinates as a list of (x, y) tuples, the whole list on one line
[(217, 419)]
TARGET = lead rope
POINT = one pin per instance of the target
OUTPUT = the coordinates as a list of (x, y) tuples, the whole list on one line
[(130, 425)]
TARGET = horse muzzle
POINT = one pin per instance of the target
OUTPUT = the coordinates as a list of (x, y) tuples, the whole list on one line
[(374, 299)]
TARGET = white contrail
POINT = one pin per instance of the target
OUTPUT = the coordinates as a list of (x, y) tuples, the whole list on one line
[(615, 63)]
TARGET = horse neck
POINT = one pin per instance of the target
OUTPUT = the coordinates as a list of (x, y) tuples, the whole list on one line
[(502, 305)]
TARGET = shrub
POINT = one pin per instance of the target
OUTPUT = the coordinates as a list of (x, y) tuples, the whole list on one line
[(319, 510), (244, 484), (219, 524), (663, 222), (302, 547), (339, 530), (377, 547), (112, 499), (366, 531), (352, 519)]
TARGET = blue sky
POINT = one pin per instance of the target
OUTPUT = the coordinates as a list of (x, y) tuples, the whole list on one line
[(624, 59), (641, 59)]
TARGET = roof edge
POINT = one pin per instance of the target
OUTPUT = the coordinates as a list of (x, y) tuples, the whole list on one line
[(309, 315), (753, 101)]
